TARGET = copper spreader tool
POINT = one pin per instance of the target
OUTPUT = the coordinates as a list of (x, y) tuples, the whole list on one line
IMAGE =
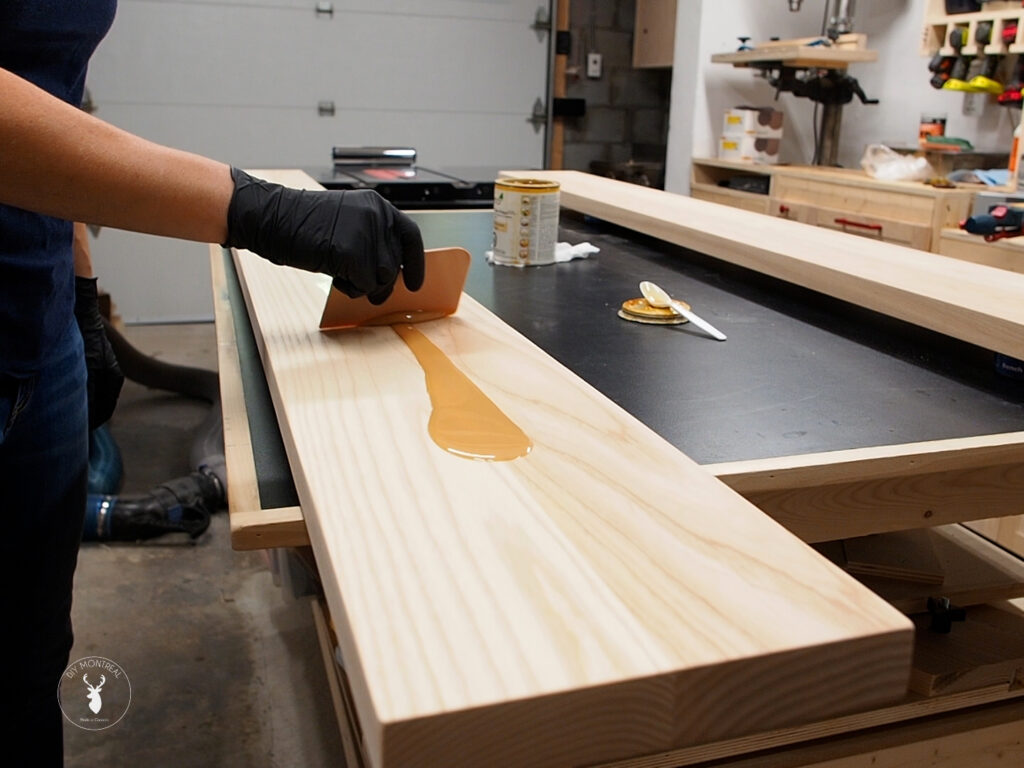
[(444, 277)]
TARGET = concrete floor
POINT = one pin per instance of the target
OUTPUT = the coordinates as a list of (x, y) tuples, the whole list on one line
[(224, 666)]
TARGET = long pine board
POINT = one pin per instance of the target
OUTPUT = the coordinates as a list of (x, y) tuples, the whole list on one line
[(602, 598), (976, 303)]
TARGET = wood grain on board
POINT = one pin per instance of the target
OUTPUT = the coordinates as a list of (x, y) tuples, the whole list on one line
[(601, 598), (967, 301)]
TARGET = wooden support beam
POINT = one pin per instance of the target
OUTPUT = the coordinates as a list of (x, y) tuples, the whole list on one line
[(559, 87), (841, 494)]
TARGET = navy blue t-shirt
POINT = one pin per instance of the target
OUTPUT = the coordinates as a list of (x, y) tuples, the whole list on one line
[(48, 43)]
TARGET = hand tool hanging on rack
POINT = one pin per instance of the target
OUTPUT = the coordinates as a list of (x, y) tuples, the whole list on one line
[(957, 80), (1010, 32), (986, 82), (1012, 96), (941, 68)]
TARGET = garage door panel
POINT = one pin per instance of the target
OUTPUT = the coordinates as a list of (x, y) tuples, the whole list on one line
[(276, 57), (268, 137)]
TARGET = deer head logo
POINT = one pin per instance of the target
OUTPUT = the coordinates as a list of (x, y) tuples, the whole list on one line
[(95, 702)]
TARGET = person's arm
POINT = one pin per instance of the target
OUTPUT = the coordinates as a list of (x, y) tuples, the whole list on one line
[(57, 160), (81, 252), (62, 162)]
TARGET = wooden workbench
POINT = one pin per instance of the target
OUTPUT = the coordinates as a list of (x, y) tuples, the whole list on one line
[(716, 725)]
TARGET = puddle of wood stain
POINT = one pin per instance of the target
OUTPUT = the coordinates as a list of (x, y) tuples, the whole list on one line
[(463, 420)]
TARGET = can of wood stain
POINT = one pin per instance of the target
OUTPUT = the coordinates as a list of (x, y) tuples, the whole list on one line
[(932, 124), (525, 222)]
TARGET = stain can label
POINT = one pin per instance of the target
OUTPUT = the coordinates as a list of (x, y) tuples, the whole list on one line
[(525, 221)]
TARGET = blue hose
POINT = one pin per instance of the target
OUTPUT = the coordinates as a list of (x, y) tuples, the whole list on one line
[(98, 514), (106, 469)]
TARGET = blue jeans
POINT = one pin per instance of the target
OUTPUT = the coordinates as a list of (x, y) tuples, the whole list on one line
[(44, 456)]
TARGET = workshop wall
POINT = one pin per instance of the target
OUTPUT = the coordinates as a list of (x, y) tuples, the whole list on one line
[(701, 91), (275, 83), (627, 108)]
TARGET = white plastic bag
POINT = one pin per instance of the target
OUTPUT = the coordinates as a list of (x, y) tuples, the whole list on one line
[(880, 162)]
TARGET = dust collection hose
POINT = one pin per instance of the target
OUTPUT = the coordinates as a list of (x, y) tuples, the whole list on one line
[(183, 504)]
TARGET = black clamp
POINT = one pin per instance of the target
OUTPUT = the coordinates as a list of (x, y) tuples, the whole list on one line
[(943, 614), (832, 86)]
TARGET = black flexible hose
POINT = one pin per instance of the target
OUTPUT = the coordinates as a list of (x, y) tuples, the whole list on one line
[(183, 504), (150, 372), (208, 446)]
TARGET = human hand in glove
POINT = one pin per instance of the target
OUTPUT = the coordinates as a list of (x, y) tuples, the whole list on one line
[(355, 236), (105, 378)]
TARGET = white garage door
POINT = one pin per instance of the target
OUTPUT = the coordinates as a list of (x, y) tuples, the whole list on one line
[(242, 81)]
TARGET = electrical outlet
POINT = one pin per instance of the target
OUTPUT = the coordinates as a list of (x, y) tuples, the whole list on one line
[(594, 65)]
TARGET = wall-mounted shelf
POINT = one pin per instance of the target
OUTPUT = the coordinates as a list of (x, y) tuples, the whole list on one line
[(797, 56), (799, 53), (938, 24), (1000, 13)]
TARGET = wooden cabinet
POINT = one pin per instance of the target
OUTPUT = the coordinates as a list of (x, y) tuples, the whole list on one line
[(903, 213), (654, 35), (710, 178), (879, 227), (886, 215)]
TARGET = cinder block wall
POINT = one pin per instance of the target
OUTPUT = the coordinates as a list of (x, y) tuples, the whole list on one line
[(627, 109)]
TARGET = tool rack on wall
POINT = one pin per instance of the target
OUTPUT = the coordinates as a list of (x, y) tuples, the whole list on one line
[(1001, 13), (1006, 43)]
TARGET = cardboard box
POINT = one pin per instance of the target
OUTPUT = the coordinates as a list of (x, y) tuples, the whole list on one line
[(763, 122), (749, 149)]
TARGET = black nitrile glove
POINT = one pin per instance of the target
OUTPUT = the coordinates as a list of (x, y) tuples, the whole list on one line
[(355, 236), (105, 378)]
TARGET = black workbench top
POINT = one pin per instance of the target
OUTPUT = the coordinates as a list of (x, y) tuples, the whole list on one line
[(800, 372)]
